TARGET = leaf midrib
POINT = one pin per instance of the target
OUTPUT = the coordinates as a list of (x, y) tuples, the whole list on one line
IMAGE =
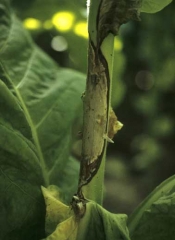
[(33, 130), (10, 29)]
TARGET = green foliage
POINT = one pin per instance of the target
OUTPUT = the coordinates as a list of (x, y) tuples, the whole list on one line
[(97, 223), (22, 4), (39, 102), (153, 6), (22, 207), (157, 222), (162, 199), (101, 224)]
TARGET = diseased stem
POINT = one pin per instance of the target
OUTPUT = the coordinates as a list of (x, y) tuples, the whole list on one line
[(96, 112), (99, 121)]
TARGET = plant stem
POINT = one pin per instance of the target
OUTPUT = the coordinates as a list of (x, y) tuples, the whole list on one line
[(96, 109), (94, 190), (99, 121)]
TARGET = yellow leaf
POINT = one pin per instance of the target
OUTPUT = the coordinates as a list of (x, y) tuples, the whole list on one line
[(66, 230), (56, 211)]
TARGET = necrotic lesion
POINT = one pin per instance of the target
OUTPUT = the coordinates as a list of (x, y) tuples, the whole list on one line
[(113, 13)]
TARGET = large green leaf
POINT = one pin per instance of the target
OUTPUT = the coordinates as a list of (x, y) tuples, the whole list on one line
[(158, 221), (39, 102), (153, 6), (50, 96), (101, 224), (137, 216), (68, 179), (22, 207)]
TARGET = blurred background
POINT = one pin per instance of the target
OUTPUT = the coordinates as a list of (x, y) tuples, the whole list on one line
[(143, 97)]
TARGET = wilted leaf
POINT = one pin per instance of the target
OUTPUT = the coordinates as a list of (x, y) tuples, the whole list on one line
[(66, 230), (112, 14), (97, 223), (61, 223), (153, 6), (56, 211)]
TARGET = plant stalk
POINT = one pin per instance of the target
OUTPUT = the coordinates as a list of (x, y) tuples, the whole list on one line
[(96, 109)]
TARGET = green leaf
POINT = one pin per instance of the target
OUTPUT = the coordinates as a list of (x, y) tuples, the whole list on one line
[(162, 190), (39, 102), (22, 207), (50, 96), (153, 6), (68, 185), (158, 221), (98, 223)]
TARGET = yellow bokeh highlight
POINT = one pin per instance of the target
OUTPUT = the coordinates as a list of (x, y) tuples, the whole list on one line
[(80, 29), (118, 44), (32, 23), (48, 24), (63, 21)]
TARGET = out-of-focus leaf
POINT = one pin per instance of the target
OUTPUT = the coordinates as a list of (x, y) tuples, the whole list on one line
[(144, 208), (22, 5), (153, 6), (157, 222)]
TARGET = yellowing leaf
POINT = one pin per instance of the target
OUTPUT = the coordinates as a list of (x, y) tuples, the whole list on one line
[(56, 211), (96, 223), (61, 223), (66, 230)]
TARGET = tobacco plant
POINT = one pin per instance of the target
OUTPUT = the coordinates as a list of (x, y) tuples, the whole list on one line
[(39, 103)]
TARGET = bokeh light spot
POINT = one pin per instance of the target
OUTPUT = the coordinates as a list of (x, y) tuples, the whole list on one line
[(63, 21), (81, 29), (32, 23), (144, 80), (59, 43)]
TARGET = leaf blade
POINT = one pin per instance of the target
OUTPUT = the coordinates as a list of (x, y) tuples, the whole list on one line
[(48, 94), (20, 174), (153, 6)]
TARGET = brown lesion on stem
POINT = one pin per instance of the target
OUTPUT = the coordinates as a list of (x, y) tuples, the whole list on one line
[(95, 115), (111, 15)]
